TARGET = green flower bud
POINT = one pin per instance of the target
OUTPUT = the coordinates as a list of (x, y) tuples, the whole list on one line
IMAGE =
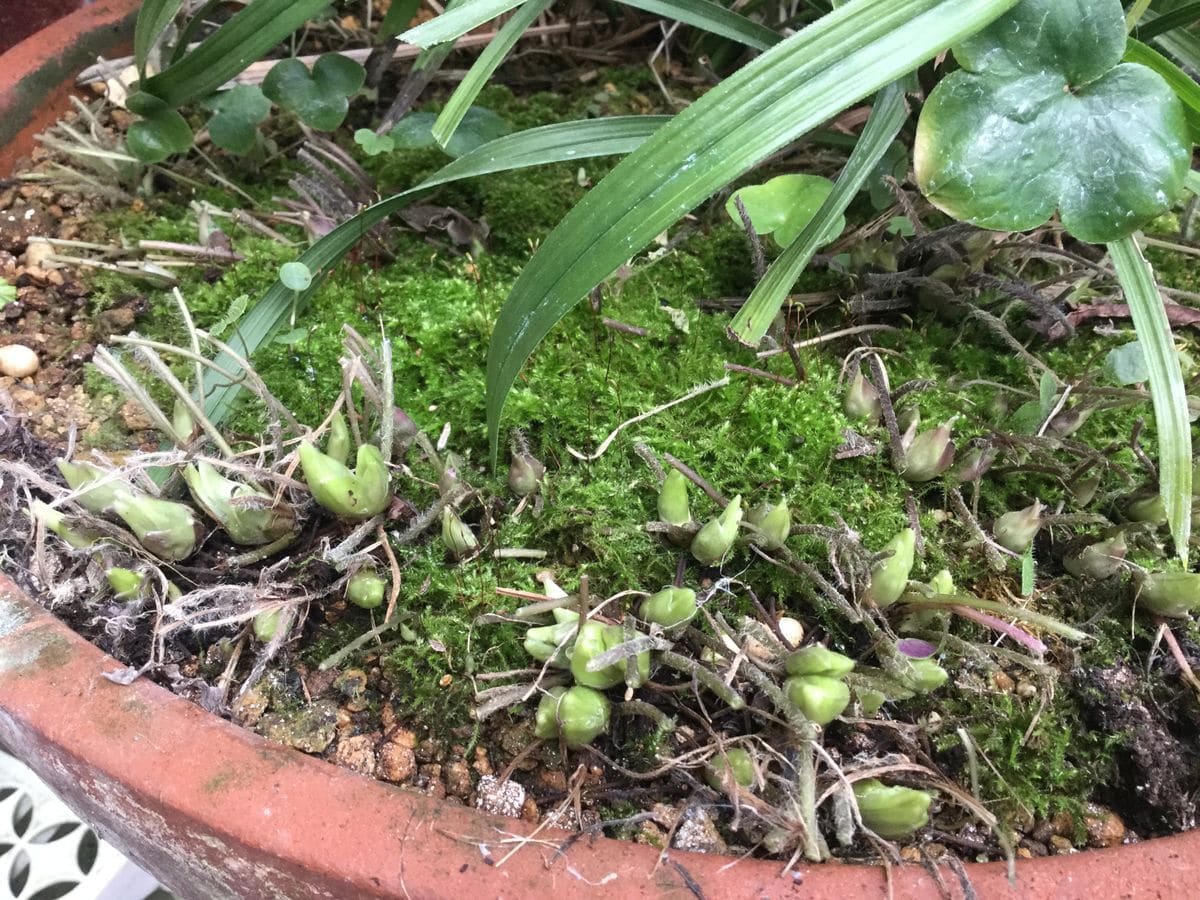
[(1067, 422), (97, 500), (891, 812), (926, 676), (973, 465), (1147, 508), (929, 454), (458, 538), (1015, 531), (594, 639), (942, 582), (861, 401), (266, 624), (716, 537), (339, 442), (889, 576), (736, 763), (821, 698), (552, 643), (671, 607), (55, 521), (360, 494), (1100, 560), (1083, 490), (449, 477), (525, 473), (816, 659), (125, 583), (1171, 594), (404, 432), (870, 700), (366, 589), (774, 523), (577, 714), (673, 499), (248, 515), (167, 529)]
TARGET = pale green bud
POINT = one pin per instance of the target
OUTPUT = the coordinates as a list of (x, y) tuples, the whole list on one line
[(248, 515), (715, 539), (942, 582), (126, 584), (889, 576), (54, 521), (821, 698), (736, 764), (1148, 508), (167, 529), (929, 454), (926, 676), (594, 639), (182, 422), (552, 643), (458, 538), (339, 442), (97, 500), (366, 589), (266, 624), (1100, 560), (525, 474), (1067, 422), (891, 812), (1171, 594), (816, 659), (1083, 490), (861, 401), (671, 607), (774, 523), (360, 494), (449, 477), (1015, 531), (578, 714), (870, 700), (973, 465), (673, 499)]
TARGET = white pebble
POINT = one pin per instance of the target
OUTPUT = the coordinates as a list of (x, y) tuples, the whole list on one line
[(792, 630), (18, 361), (37, 252)]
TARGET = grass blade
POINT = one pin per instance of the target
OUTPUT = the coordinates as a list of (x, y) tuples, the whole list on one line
[(1181, 83), (153, 19), (487, 63), (533, 147), (1177, 18), (793, 87), (887, 117), (704, 14), (1166, 387)]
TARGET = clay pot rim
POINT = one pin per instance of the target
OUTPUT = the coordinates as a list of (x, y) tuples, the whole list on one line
[(308, 828)]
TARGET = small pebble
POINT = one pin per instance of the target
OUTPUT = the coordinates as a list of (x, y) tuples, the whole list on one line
[(18, 361), (500, 798), (1026, 690)]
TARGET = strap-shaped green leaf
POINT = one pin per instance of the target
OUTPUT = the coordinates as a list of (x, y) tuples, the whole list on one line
[(793, 87), (1166, 387), (704, 14), (887, 117), (399, 14), (533, 147), (1188, 14), (227, 51), (487, 63), (1181, 83), (153, 19)]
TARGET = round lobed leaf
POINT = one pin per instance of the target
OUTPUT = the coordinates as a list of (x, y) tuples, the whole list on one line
[(783, 206), (320, 97), (236, 117)]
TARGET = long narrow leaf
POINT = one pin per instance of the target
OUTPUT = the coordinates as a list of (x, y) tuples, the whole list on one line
[(793, 87), (887, 117), (612, 136), (487, 63), (1179, 42), (1166, 387), (1181, 83), (153, 19), (704, 14), (1178, 18), (396, 19), (228, 50)]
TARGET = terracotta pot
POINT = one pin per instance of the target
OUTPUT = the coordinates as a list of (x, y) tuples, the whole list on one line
[(214, 811)]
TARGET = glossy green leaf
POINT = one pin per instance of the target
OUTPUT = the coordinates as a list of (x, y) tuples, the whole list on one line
[(1167, 390), (479, 126), (373, 144), (321, 98), (159, 133), (1181, 83), (295, 276), (703, 14), (784, 205), (1044, 117), (243, 39), (153, 19), (893, 164), (236, 116), (793, 87), (533, 147), (1126, 364), (759, 310), (485, 65)]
